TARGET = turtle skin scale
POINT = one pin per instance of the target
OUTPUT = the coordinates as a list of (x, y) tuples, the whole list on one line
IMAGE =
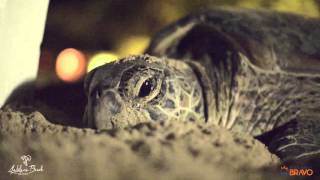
[(250, 71)]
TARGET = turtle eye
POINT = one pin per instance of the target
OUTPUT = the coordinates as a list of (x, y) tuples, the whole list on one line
[(146, 88)]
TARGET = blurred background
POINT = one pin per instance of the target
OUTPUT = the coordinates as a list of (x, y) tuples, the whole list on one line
[(80, 35)]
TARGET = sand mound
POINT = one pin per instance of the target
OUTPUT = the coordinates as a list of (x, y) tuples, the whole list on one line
[(170, 150)]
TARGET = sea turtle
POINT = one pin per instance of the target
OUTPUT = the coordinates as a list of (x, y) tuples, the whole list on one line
[(245, 70)]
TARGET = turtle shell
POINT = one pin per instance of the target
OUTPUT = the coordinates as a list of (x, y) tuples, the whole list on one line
[(270, 40)]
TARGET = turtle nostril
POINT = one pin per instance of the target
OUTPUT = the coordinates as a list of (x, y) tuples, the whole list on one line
[(111, 102), (98, 94)]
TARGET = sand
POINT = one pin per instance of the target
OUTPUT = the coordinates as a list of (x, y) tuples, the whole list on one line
[(163, 150)]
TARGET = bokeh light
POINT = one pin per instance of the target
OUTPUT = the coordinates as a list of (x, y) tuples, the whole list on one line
[(100, 59), (133, 45), (70, 65), (305, 7)]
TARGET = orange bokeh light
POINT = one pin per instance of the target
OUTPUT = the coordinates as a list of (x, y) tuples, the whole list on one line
[(70, 65)]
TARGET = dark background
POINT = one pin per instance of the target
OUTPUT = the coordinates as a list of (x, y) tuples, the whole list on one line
[(125, 26), (121, 27)]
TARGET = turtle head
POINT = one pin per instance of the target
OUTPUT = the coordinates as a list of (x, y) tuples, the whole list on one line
[(142, 88)]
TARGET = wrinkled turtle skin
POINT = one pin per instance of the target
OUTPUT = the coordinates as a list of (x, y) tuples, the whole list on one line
[(250, 71)]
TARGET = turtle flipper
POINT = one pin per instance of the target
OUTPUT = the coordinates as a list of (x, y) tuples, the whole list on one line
[(296, 143)]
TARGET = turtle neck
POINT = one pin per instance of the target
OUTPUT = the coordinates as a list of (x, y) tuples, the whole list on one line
[(217, 79)]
